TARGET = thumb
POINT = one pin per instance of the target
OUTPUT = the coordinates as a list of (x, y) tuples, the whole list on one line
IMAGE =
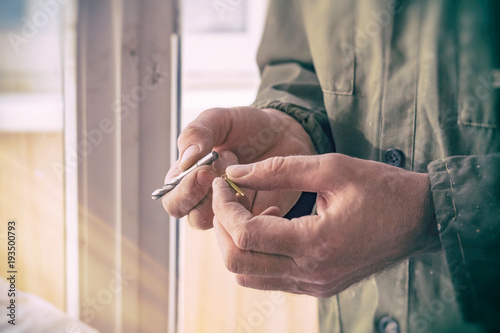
[(299, 173), (207, 131)]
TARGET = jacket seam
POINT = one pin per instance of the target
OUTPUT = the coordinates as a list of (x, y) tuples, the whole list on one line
[(351, 91), (351, 83), (415, 98), (461, 248), (473, 124), (345, 93), (386, 49), (462, 253), (452, 190)]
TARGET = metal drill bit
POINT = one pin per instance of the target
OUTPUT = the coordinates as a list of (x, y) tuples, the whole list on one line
[(207, 160)]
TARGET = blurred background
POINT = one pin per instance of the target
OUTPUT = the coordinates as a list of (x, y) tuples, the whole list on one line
[(219, 43), (31, 141)]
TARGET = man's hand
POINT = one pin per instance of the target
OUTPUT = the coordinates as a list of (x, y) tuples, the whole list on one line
[(370, 216), (239, 135)]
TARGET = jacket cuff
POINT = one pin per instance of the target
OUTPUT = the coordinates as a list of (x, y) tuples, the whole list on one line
[(314, 122), (466, 196)]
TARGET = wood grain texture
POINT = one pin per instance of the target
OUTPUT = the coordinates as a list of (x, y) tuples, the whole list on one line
[(32, 195)]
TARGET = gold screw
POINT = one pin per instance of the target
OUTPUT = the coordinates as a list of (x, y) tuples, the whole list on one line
[(233, 185)]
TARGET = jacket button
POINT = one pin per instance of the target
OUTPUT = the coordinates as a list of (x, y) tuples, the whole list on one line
[(394, 157), (388, 324)]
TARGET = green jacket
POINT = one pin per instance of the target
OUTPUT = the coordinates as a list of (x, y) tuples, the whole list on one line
[(367, 76)]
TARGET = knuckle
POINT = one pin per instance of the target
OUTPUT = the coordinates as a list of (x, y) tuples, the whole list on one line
[(275, 164), (322, 291), (324, 294), (330, 162), (242, 238), (294, 285), (172, 209), (232, 262), (172, 172), (321, 278), (185, 196), (184, 136), (200, 130), (189, 189), (193, 133), (318, 275), (198, 220), (242, 280), (181, 201), (332, 158)]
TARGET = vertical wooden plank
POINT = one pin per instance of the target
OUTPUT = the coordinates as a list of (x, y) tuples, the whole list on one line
[(100, 229), (124, 98), (176, 231), (131, 95), (156, 28), (68, 174)]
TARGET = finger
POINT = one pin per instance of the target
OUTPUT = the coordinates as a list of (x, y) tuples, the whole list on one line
[(225, 201), (284, 199), (226, 158), (190, 191), (272, 211), (202, 134), (201, 216), (300, 173), (262, 233), (173, 172), (250, 262), (288, 285)]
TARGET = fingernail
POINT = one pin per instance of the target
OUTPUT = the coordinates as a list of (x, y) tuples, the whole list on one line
[(237, 171), (218, 180), (188, 153), (204, 178)]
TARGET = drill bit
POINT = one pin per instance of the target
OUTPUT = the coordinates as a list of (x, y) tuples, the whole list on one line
[(207, 160)]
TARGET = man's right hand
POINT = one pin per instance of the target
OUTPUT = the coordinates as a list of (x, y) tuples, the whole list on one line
[(240, 135)]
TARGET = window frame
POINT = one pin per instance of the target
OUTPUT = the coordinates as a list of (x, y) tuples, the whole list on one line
[(122, 47)]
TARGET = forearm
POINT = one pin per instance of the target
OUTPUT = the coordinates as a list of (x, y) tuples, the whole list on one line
[(288, 79)]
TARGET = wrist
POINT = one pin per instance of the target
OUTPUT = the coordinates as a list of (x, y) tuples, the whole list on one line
[(427, 240), (290, 127)]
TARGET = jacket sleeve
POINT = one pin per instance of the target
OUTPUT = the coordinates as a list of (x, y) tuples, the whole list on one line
[(466, 194), (288, 78)]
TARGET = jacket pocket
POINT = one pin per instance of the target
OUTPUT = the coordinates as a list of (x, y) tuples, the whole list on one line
[(330, 30), (478, 76), (479, 101)]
